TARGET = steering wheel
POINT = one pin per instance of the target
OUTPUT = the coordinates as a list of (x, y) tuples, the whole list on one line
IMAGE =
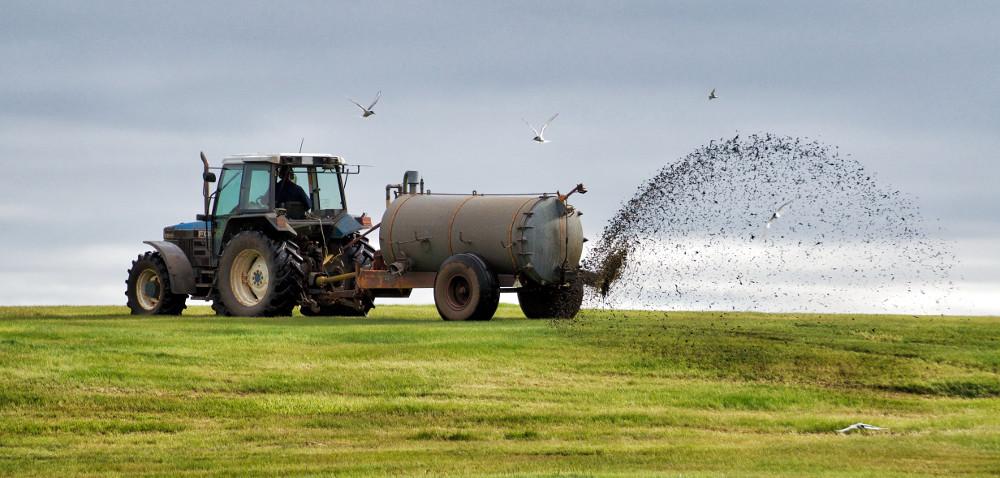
[(259, 203)]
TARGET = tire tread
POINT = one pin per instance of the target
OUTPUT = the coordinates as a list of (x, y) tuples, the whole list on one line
[(170, 303)]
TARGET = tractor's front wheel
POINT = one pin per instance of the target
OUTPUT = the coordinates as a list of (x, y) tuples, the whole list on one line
[(258, 277), (148, 288)]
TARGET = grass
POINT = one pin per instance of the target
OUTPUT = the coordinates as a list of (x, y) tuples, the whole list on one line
[(94, 391)]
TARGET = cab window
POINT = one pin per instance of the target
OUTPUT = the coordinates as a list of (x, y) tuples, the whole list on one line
[(258, 187), (229, 191), (328, 190)]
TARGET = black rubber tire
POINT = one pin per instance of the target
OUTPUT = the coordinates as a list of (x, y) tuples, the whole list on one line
[(466, 289), (217, 305), (361, 254), (167, 303), (551, 302), (285, 281)]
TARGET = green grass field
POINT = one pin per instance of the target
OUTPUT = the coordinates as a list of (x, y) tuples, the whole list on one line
[(94, 391)]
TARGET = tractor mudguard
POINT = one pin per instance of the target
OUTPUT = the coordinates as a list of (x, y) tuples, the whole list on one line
[(280, 225), (346, 225), (178, 266), (277, 224)]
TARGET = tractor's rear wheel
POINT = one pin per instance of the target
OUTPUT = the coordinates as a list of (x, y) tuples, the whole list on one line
[(258, 277), (148, 288), (466, 289), (551, 302)]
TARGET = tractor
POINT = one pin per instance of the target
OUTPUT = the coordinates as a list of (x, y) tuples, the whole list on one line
[(260, 249), (251, 256)]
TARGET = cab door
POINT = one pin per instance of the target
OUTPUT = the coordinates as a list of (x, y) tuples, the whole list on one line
[(257, 193), (227, 201)]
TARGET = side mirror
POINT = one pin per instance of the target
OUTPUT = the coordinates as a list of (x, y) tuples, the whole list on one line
[(209, 177), (204, 217)]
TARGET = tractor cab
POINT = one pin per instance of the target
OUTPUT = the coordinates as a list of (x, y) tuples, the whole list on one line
[(249, 184), (296, 192)]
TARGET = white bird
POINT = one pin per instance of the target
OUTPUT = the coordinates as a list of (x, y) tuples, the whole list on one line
[(777, 214), (860, 426), (539, 132), (368, 111), (711, 95)]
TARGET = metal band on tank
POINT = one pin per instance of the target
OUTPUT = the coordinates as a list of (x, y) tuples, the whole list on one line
[(451, 222), (510, 234), (392, 222), (564, 232)]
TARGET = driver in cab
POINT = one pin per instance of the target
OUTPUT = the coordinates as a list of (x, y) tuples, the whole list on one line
[(286, 191)]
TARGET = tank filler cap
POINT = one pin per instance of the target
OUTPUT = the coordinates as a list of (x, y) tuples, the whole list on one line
[(410, 181)]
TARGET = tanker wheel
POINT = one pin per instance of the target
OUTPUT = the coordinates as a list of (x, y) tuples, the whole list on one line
[(551, 302), (148, 288), (258, 277), (466, 289)]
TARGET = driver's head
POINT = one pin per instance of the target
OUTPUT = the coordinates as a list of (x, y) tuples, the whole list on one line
[(285, 172)]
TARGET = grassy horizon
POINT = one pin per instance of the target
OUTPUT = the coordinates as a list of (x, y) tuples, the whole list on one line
[(94, 391)]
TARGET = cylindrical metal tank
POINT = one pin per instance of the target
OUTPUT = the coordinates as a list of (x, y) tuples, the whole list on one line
[(537, 237)]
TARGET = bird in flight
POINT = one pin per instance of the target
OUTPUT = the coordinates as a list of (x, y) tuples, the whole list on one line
[(777, 214), (711, 96), (859, 426), (368, 111), (539, 132)]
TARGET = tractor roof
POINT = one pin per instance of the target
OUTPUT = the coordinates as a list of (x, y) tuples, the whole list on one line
[(294, 159)]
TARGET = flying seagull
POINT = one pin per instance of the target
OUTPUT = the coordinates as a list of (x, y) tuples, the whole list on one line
[(539, 132), (860, 426), (711, 95), (777, 214), (368, 111)]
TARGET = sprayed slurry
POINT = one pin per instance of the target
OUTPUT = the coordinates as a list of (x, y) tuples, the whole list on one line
[(696, 236)]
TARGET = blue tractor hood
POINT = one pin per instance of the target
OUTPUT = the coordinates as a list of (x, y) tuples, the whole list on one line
[(190, 226), (345, 225)]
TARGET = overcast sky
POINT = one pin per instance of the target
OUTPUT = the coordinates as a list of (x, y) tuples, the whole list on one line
[(105, 105)]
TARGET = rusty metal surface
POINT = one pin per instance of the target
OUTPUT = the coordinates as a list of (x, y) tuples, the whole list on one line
[(178, 267), (372, 279), (383, 282), (539, 237)]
